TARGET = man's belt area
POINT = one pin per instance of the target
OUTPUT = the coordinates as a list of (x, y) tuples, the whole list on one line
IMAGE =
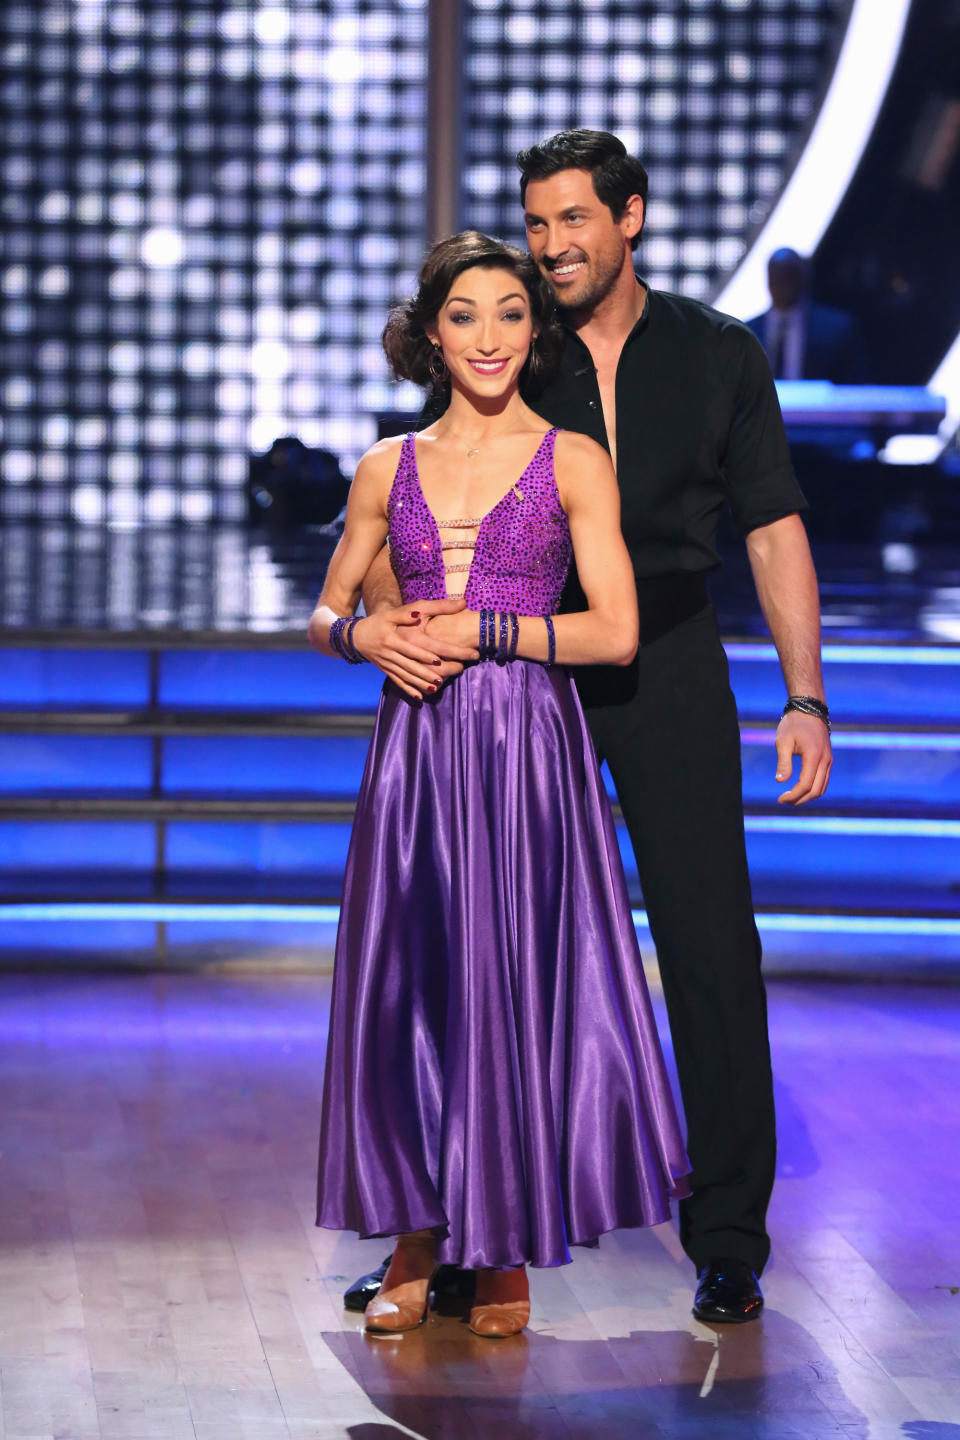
[(665, 601)]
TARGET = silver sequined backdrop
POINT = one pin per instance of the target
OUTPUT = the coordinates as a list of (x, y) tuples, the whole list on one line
[(207, 208)]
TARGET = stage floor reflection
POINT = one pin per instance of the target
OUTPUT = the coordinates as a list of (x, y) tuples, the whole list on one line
[(227, 579), (160, 1275)]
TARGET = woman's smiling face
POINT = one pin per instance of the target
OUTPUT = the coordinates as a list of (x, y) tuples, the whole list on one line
[(485, 330)]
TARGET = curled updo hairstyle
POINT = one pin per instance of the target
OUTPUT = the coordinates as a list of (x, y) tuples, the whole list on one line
[(405, 341)]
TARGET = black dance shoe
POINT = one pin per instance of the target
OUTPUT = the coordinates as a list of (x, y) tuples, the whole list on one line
[(728, 1293), (364, 1290), (449, 1284)]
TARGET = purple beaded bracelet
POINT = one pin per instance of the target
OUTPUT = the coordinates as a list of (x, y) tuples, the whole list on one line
[(352, 653), (551, 640), (502, 654), (488, 634), (335, 637), (340, 636)]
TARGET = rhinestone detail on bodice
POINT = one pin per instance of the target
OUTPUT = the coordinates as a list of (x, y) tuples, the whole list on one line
[(522, 549)]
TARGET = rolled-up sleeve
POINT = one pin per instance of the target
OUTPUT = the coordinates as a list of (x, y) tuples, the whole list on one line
[(757, 470)]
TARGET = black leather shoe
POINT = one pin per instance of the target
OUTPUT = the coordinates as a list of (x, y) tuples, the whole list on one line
[(449, 1283), (728, 1293), (362, 1291)]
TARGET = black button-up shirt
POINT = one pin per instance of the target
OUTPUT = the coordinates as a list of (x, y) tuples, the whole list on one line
[(698, 426)]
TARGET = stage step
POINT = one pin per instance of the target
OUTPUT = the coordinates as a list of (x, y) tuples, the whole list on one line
[(202, 771), (866, 684), (158, 755), (162, 723), (790, 854), (320, 885)]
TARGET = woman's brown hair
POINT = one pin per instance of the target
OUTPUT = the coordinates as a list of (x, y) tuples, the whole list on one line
[(405, 340)]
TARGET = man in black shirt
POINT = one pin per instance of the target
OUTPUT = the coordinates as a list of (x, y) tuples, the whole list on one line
[(683, 399)]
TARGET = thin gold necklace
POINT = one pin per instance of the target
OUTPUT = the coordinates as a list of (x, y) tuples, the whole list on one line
[(475, 450), (470, 450)]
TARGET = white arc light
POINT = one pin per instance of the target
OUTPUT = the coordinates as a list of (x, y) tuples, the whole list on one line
[(830, 157)]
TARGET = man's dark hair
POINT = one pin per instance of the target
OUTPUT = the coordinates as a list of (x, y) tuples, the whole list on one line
[(616, 175)]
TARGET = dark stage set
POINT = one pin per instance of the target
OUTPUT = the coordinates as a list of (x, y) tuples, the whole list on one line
[(207, 211)]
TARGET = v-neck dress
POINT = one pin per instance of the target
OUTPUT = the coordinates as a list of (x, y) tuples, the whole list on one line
[(493, 1068)]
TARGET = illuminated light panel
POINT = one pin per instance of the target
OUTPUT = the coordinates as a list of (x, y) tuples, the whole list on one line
[(869, 740), (945, 381), (712, 97), (843, 126), (165, 912), (858, 654), (893, 925), (914, 449), (925, 449), (209, 210), (852, 825), (905, 925)]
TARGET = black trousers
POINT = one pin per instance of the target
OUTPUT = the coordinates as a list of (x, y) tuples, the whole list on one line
[(667, 726)]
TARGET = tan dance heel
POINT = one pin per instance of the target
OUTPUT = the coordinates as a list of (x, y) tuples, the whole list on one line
[(403, 1308), (406, 1306), (496, 1322)]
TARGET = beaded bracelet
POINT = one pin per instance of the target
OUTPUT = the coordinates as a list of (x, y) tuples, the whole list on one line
[(502, 655), (514, 635), (335, 636), (488, 634), (353, 654), (499, 635), (551, 640), (808, 705), (482, 642), (340, 636)]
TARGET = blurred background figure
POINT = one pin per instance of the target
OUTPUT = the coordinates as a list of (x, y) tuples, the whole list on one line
[(294, 485), (806, 340)]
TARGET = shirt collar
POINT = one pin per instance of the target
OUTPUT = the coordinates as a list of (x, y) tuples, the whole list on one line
[(641, 324)]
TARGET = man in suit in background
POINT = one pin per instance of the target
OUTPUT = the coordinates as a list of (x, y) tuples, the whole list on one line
[(805, 340)]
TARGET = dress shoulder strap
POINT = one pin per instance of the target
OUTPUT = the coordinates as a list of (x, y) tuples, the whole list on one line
[(406, 470), (548, 442), (408, 453), (541, 466), (548, 471)]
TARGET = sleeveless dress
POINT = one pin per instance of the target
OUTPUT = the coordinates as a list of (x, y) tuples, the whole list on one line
[(493, 1067)]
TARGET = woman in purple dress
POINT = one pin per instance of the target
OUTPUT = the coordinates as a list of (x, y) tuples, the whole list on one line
[(494, 1089)]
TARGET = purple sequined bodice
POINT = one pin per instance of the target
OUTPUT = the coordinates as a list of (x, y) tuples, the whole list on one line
[(522, 548)]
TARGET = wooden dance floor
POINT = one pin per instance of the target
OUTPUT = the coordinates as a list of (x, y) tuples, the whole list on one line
[(161, 1277)]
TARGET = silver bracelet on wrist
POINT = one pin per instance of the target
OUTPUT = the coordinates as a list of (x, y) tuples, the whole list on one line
[(808, 705)]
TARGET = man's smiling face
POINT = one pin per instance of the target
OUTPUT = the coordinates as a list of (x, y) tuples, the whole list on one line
[(574, 238)]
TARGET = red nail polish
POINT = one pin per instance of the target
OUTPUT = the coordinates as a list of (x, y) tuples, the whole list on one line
[(432, 689), (414, 614), (436, 662)]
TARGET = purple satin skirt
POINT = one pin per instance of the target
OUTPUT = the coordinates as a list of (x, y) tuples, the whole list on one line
[(493, 1066)]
